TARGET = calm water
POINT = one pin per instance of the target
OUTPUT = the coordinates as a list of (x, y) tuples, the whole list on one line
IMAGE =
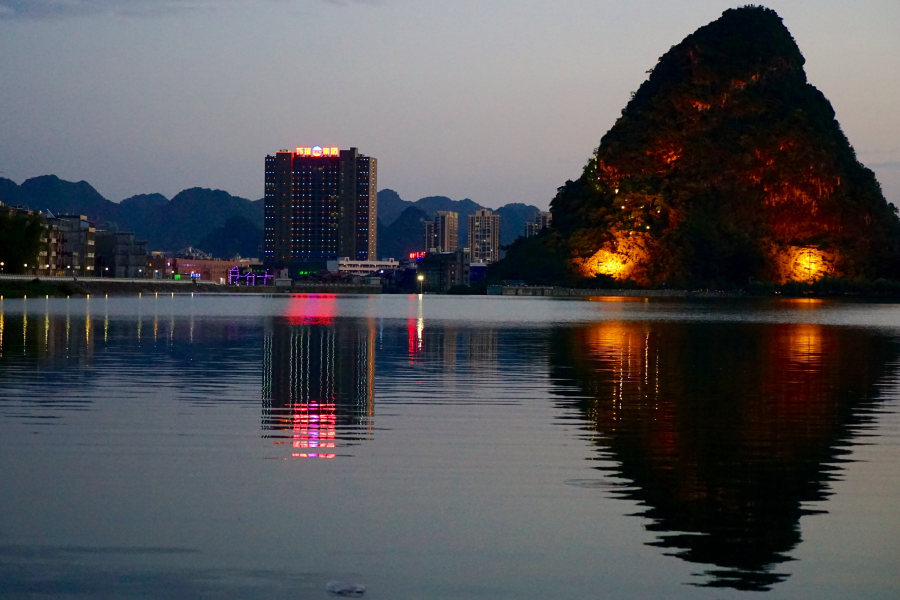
[(255, 447)]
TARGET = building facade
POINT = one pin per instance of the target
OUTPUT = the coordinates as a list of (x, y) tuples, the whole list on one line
[(362, 267), (213, 270), (484, 236), (441, 232), (541, 221), (444, 270), (119, 254), (320, 204), (76, 244)]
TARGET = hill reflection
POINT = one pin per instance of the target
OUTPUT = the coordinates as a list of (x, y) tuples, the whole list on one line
[(725, 431)]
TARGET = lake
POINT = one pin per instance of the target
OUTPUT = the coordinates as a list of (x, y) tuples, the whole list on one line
[(448, 447)]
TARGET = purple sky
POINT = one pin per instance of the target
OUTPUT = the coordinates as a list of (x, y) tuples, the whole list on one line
[(495, 101)]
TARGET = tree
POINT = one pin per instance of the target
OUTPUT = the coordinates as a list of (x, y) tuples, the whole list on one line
[(21, 240)]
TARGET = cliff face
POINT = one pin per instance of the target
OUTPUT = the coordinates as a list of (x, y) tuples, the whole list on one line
[(727, 165)]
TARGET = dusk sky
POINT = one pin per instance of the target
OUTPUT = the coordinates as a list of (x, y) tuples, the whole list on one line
[(494, 101)]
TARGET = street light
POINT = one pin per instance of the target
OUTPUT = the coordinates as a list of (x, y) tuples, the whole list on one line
[(421, 278)]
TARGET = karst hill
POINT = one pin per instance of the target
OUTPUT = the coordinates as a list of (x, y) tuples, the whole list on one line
[(727, 166)]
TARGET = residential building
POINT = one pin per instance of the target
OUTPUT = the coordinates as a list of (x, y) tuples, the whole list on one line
[(77, 244), (50, 247), (444, 270), (49, 255), (441, 232), (484, 236), (541, 221), (320, 204), (120, 254)]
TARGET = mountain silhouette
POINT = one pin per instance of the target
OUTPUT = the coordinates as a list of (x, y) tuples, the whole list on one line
[(165, 224), (512, 216), (198, 216)]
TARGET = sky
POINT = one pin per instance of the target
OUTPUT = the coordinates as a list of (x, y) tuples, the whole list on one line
[(497, 101)]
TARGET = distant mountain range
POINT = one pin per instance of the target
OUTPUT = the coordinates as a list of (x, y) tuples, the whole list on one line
[(166, 224), (395, 220), (207, 219)]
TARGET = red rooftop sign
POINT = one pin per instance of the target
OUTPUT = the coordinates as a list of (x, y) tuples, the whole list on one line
[(317, 151)]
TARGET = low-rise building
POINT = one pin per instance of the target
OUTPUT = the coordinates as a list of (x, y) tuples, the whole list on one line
[(77, 244), (362, 267), (120, 254), (444, 270), (204, 269)]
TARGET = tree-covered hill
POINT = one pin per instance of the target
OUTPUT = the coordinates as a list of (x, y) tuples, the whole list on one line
[(727, 165)]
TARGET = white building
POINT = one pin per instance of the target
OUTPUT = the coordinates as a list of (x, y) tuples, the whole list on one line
[(361, 267)]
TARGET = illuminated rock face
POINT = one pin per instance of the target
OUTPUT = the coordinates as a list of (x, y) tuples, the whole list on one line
[(727, 165), (623, 258)]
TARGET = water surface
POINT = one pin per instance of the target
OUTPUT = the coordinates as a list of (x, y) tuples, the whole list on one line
[(442, 447)]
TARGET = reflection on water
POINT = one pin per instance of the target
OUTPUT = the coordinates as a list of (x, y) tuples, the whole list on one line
[(724, 432), (318, 378)]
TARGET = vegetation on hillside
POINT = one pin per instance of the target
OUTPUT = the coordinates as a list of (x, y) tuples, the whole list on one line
[(726, 168)]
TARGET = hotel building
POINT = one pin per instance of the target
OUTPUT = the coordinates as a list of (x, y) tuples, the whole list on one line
[(320, 204)]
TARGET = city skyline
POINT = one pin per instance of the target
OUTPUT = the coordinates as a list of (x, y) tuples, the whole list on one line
[(439, 115)]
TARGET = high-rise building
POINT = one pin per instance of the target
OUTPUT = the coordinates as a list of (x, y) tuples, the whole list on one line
[(320, 204), (441, 232), (541, 221), (484, 236)]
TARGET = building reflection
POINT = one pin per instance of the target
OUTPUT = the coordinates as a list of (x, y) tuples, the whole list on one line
[(34, 334), (725, 433), (318, 382)]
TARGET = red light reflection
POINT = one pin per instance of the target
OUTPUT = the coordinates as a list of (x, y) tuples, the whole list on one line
[(311, 309), (313, 429), (415, 329)]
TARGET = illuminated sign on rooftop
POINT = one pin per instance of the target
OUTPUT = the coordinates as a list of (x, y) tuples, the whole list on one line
[(317, 151)]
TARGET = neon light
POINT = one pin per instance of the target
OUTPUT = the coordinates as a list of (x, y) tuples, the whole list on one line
[(416, 255), (318, 151)]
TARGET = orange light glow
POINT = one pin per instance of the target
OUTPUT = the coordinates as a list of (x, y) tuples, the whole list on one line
[(618, 259), (803, 346), (700, 105), (807, 264)]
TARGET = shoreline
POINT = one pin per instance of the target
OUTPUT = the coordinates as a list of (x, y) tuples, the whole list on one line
[(19, 288)]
